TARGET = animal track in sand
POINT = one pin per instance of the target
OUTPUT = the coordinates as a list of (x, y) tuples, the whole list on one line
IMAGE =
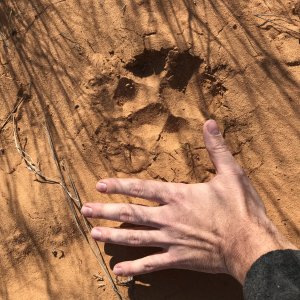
[(126, 90), (148, 63), (174, 124), (174, 67), (135, 123), (180, 67)]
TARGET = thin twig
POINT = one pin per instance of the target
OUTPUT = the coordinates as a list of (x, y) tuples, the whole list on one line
[(67, 38), (289, 31), (22, 96), (93, 244), (74, 202), (26, 157), (10, 114)]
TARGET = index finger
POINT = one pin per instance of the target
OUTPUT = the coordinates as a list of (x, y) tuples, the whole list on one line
[(147, 189)]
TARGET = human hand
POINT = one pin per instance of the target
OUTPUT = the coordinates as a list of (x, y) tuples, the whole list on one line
[(216, 227)]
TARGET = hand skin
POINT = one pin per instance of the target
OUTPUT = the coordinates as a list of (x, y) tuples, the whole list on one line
[(216, 227)]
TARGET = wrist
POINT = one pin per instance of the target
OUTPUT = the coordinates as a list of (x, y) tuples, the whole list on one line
[(251, 244)]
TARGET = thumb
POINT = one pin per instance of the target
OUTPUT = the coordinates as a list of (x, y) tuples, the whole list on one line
[(219, 154)]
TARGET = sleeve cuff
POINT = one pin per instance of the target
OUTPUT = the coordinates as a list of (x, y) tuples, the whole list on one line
[(275, 275)]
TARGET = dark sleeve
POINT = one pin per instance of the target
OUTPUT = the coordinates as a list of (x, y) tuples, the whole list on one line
[(274, 276)]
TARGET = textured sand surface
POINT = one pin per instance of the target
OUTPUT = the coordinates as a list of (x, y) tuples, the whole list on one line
[(125, 86)]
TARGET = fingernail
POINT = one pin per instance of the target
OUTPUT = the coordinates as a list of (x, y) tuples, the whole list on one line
[(101, 187), (87, 211), (118, 271), (213, 128), (96, 233)]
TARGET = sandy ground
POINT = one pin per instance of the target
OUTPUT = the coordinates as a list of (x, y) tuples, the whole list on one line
[(125, 86)]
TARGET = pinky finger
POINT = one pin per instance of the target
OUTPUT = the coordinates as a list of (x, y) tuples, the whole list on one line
[(148, 264)]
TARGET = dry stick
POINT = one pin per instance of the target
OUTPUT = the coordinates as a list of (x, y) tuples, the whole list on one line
[(289, 31), (22, 96), (13, 111), (94, 245), (74, 203), (278, 17), (28, 160), (96, 250), (33, 167)]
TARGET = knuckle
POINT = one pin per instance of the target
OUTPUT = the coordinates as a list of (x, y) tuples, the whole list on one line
[(177, 193), (148, 266), (179, 197), (219, 147), (217, 144), (136, 189), (173, 259), (98, 212), (143, 219), (134, 239), (125, 214)]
